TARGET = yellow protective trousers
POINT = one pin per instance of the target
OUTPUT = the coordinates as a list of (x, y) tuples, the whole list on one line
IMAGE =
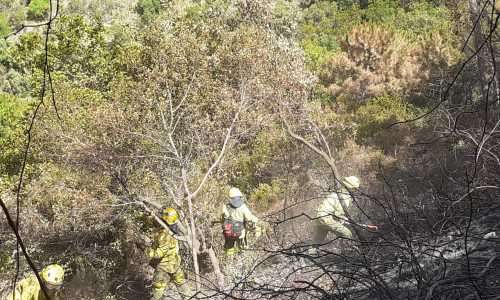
[(162, 279), (233, 246)]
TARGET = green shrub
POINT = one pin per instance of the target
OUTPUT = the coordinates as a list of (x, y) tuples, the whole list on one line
[(12, 112), (326, 23), (148, 9), (265, 195), (4, 25), (376, 115), (254, 162), (323, 26), (38, 9)]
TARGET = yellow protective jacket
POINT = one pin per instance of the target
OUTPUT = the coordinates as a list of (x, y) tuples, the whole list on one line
[(28, 289), (331, 206), (240, 214), (165, 248)]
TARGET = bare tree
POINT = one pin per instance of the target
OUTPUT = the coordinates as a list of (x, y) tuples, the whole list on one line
[(184, 163)]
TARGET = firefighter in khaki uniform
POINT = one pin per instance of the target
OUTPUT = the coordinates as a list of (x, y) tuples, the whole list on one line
[(165, 251), (30, 289), (235, 217), (330, 214)]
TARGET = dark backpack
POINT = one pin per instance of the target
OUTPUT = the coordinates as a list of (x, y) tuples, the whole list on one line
[(232, 229)]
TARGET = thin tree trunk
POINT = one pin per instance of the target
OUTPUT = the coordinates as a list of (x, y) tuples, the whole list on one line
[(496, 73), (493, 49), (475, 15), (216, 265), (193, 241), (211, 253)]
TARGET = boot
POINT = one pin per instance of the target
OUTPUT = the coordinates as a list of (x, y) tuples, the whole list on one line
[(185, 291)]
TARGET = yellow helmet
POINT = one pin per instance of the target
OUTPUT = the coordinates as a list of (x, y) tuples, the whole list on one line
[(170, 215), (53, 274)]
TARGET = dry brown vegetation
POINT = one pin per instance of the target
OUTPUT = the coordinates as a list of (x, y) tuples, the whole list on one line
[(375, 61)]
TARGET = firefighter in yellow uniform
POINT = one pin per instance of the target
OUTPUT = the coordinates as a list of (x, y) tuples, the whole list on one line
[(30, 289), (165, 251), (236, 216)]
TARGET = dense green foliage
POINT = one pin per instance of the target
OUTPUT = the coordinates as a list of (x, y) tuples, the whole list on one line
[(326, 23), (4, 25), (38, 9), (375, 117), (148, 9), (146, 108), (13, 112)]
